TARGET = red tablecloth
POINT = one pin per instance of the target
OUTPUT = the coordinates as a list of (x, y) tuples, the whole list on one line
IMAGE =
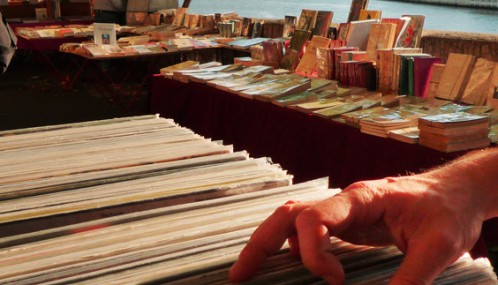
[(307, 146)]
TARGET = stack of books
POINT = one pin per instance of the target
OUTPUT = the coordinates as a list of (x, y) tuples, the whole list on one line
[(384, 123), (454, 131)]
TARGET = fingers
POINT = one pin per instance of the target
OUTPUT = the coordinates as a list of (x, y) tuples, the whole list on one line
[(425, 259), (314, 240), (314, 227), (266, 241)]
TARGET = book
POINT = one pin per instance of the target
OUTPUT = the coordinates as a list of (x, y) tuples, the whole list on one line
[(186, 65), (471, 134), (381, 37), (247, 24), (307, 20), (41, 14), (396, 65), (307, 64), (370, 14), (295, 98), (342, 32), (435, 73), (289, 26), (407, 135), (355, 9), (359, 32), (455, 76), (383, 123), (453, 120), (322, 23), (257, 29), (104, 34), (452, 147), (411, 35), (476, 90), (353, 118), (492, 98), (401, 24), (406, 72), (337, 111), (422, 69)]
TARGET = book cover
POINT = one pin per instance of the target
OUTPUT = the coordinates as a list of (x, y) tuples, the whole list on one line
[(405, 71), (370, 14), (422, 67), (455, 76), (342, 32), (355, 8), (452, 120), (289, 26), (359, 32), (381, 37), (41, 14), (492, 98), (411, 34), (104, 34), (307, 20), (400, 23), (257, 29), (246, 25), (307, 64), (475, 93), (322, 23), (435, 73)]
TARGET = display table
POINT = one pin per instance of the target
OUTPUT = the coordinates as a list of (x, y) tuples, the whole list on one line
[(307, 146)]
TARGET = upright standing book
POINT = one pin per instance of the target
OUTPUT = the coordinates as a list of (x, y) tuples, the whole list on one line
[(289, 26), (307, 20), (358, 33), (455, 76), (475, 92), (421, 74), (355, 9), (322, 23), (411, 35)]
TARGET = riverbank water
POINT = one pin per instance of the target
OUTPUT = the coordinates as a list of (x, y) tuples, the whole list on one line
[(438, 17)]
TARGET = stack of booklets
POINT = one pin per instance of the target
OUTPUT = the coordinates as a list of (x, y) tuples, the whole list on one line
[(382, 124), (196, 243), (157, 204), (454, 131), (59, 175)]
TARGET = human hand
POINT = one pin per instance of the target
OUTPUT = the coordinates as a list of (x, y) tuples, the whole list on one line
[(431, 222)]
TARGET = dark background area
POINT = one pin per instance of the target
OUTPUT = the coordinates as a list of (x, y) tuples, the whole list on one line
[(30, 96)]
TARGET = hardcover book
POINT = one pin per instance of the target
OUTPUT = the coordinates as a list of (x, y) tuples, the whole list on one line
[(307, 64), (322, 23), (476, 91), (289, 26), (307, 20), (370, 14), (455, 76), (381, 37), (411, 35), (355, 9), (406, 72), (492, 92), (359, 32), (422, 68)]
